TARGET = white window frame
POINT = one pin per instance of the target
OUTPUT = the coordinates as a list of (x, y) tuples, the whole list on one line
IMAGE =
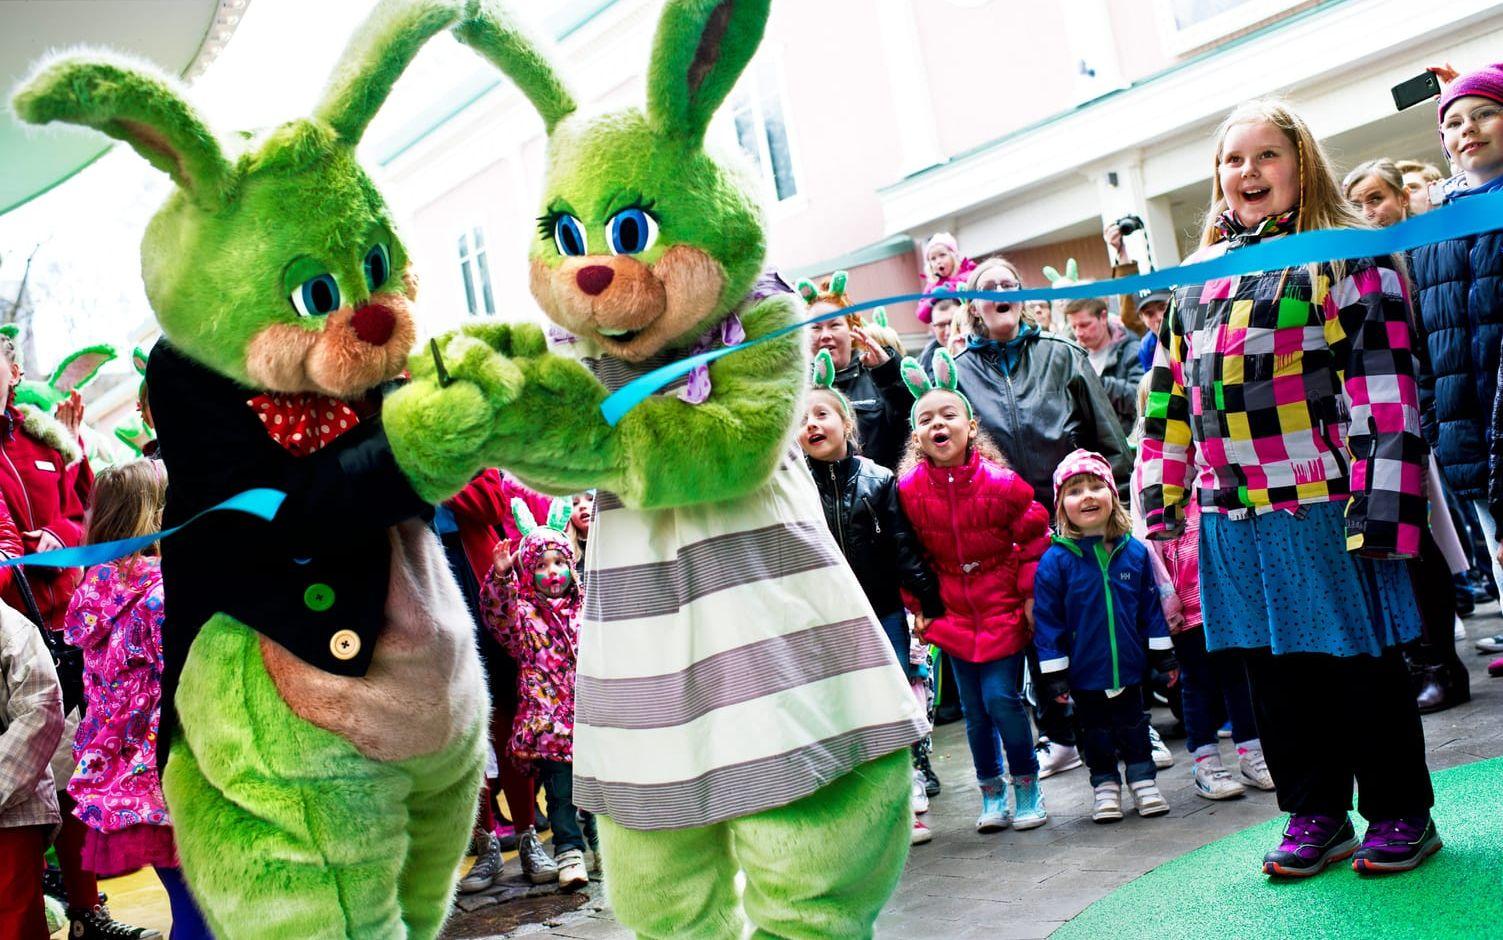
[(767, 65), (475, 272), (1249, 13)]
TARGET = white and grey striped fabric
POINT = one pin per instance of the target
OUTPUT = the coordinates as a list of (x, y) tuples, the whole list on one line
[(728, 660)]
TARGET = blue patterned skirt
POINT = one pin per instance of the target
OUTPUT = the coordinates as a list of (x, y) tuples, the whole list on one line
[(1287, 583)]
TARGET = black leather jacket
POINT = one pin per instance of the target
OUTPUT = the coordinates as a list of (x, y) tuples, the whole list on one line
[(860, 499), (881, 402), (1050, 404)]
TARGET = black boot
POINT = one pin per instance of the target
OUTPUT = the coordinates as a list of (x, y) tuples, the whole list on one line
[(1441, 687)]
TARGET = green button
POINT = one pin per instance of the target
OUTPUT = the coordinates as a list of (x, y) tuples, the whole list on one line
[(319, 597)]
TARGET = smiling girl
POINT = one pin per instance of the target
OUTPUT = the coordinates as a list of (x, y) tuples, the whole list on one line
[(1286, 403), (983, 534)]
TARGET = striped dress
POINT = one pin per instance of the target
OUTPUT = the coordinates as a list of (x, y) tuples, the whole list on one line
[(728, 660)]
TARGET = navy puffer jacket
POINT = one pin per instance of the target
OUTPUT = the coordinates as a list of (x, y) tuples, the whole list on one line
[(1459, 288)]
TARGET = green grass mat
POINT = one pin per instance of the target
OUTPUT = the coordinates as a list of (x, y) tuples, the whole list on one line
[(1219, 891)]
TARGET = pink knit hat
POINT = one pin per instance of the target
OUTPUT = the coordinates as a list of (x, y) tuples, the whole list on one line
[(1486, 83), (1080, 461), (942, 238)]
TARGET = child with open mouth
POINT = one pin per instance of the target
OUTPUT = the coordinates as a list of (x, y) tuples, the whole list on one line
[(983, 534)]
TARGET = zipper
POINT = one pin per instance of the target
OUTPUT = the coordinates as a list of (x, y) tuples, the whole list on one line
[(31, 517), (876, 526), (1104, 562), (839, 506), (965, 574)]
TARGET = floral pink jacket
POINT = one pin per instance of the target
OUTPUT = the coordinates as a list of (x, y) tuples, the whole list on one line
[(115, 617), (542, 634)]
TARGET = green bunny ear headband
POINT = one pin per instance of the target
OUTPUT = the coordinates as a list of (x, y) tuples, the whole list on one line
[(822, 375), (1071, 275), (807, 290), (559, 512), (946, 379), (10, 331), (879, 317)]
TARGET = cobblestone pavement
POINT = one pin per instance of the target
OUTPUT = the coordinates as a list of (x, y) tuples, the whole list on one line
[(1025, 884)]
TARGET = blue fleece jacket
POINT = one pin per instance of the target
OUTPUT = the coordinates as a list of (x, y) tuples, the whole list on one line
[(1102, 636)]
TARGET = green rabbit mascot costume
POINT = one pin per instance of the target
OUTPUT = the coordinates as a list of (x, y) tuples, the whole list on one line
[(327, 747), (738, 708)]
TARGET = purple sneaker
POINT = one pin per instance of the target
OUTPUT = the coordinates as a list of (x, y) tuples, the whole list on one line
[(1310, 844), (1397, 845)]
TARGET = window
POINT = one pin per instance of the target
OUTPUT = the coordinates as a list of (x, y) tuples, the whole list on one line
[(1191, 24), (757, 108), (475, 273)]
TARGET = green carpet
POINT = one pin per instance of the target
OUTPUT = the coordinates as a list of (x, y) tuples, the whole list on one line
[(1219, 891)]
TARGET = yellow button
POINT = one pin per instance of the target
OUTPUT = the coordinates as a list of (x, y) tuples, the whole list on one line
[(345, 644)]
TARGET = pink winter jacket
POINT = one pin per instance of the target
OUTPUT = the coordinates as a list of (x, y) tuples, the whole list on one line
[(1181, 558), (954, 282), (115, 617), (983, 534)]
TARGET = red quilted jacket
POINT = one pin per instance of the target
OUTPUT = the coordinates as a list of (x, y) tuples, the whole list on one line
[(984, 535)]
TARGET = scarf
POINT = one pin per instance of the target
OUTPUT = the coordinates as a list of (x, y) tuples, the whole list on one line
[(303, 422), (1236, 235), (1008, 353)]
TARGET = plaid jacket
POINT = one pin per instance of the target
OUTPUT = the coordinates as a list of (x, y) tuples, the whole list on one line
[(1282, 392)]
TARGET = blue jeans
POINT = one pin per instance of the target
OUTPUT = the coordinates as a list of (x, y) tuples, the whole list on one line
[(895, 625), (1212, 690), (992, 696), (187, 922)]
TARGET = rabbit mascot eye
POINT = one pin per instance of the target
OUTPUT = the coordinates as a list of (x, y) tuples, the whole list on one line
[(738, 708), (322, 699)]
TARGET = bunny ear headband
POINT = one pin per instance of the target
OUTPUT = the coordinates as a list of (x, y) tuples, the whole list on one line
[(822, 375), (559, 512), (945, 379), (834, 293)]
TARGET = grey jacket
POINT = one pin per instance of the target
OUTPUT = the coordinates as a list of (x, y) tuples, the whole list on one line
[(1051, 403), (31, 724)]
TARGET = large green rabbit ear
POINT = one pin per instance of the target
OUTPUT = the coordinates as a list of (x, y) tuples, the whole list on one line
[(138, 359), (838, 281), (822, 370), (523, 516), (375, 58), (79, 369), (559, 512), (134, 102), (945, 375), (807, 290), (701, 48), (490, 30), (913, 376)]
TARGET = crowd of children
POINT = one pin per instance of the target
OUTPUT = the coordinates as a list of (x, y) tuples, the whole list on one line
[(980, 493)]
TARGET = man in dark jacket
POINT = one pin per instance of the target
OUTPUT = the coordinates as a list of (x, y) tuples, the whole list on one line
[(873, 385), (1113, 354)]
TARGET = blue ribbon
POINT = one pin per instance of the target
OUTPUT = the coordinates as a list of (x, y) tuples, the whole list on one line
[(1457, 219), (262, 503)]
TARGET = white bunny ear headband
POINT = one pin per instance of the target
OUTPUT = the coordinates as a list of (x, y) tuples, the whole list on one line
[(945, 379)]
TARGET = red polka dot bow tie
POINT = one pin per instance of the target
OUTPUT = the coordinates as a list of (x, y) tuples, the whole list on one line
[(303, 422)]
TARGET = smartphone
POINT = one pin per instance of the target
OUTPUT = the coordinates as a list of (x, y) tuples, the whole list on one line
[(1421, 87)]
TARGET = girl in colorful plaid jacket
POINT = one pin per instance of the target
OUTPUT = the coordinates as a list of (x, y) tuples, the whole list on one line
[(1285, 403)]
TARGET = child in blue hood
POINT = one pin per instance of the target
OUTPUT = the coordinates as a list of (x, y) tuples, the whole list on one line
[(1097, 627)]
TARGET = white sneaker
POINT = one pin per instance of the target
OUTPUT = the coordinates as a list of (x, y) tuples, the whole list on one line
[(1254, 768), (920, 796), (1108, 805), (1490, 644), (921, 833), (571, 870), (1148, 799), (1162, 756), (1055, 759), (1214, 782), (1459, 631)]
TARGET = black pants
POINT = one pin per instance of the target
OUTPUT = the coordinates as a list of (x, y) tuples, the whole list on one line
[(1113, 729), (557, 777), (1436, 645), (1328, 720)]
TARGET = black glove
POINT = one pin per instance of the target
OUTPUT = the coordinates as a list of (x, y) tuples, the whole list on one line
[(1164, 661), (1052, 685)]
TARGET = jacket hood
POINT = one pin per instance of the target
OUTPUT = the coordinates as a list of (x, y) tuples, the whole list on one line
[(533, 545)]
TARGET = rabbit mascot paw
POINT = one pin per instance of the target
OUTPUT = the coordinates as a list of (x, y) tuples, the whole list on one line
[(738, 708), (327, 745)]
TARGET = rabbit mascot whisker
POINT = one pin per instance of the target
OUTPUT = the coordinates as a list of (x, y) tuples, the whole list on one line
[(322, 696), (738, 708)]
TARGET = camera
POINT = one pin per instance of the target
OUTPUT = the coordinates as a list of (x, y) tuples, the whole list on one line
[(1129, 224)]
